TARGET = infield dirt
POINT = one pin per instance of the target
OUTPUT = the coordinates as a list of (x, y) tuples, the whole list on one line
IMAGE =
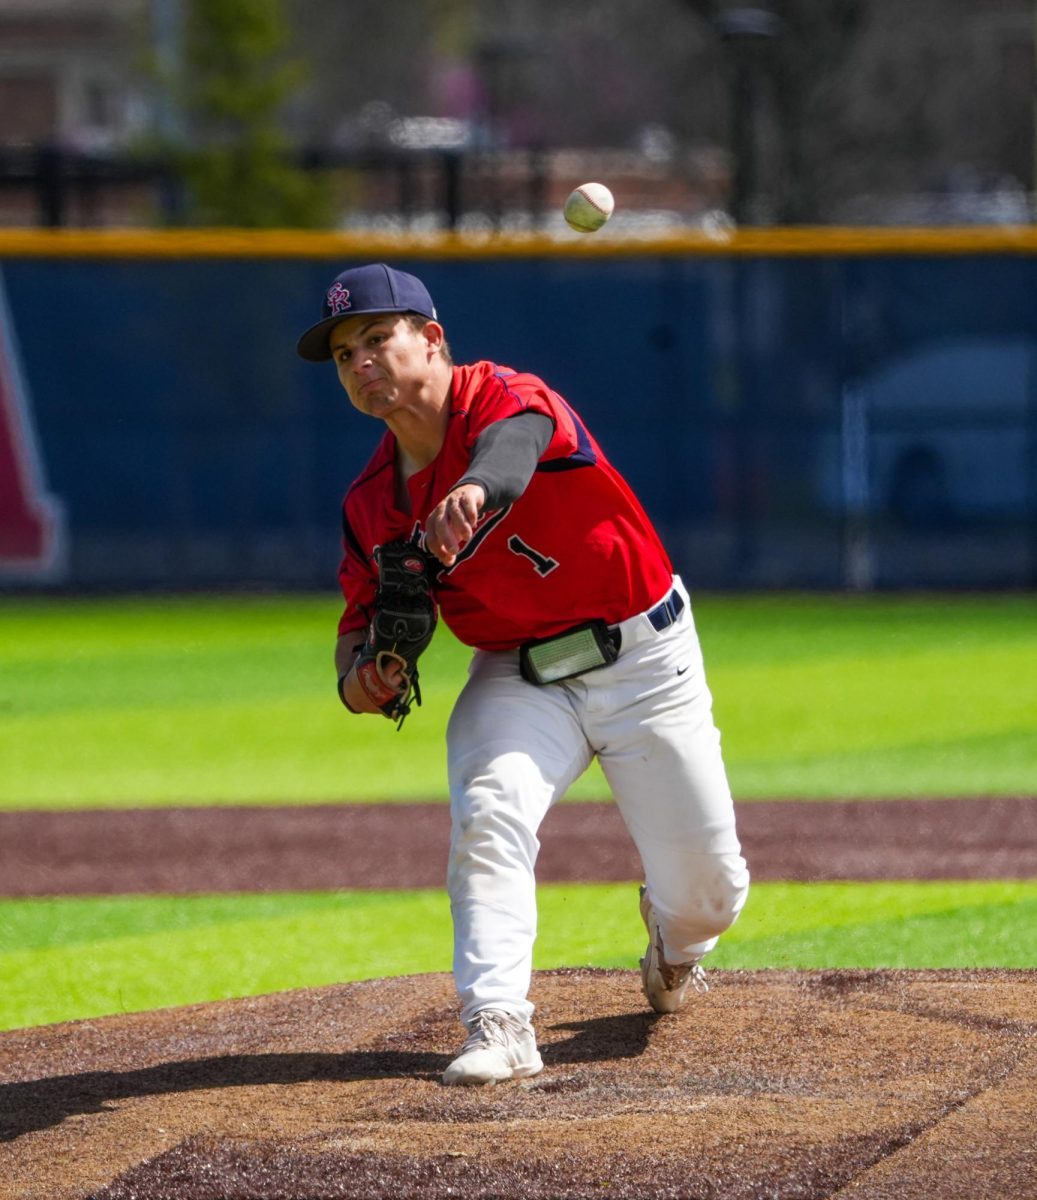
[(850, 1084), (809, 1085)]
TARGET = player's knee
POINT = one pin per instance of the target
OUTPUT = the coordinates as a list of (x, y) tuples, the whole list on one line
[(723, 902), (728, 887), (708, 902)]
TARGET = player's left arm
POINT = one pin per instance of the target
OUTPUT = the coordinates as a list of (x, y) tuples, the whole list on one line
[(378, 668), (351, 691), (503, 460), (347, 648), (359, 588)]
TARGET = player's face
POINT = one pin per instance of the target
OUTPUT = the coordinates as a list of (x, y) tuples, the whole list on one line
[(383, 361)]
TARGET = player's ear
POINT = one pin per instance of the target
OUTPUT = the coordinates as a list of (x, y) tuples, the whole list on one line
[(434, 335)]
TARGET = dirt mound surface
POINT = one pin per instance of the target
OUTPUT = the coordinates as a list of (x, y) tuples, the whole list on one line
[(774, 1084), (184, 850)]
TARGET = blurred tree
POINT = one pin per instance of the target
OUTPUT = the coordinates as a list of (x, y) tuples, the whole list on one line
[(815, 47), (931, 98), (235, 81), (877, 99), (783, 60), (867, 101)]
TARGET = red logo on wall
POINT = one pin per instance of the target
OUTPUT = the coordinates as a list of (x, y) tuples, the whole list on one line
[(31, 521)]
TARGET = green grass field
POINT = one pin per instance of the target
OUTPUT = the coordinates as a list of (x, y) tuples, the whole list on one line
[(231, 701), (64, 959), (202, 700)]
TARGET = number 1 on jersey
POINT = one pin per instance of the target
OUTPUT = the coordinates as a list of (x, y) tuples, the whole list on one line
[(543, 564)]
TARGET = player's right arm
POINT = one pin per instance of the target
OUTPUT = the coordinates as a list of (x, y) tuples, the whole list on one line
[(503, 460)]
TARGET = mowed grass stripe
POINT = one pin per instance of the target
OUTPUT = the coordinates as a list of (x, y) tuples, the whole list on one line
[(71, 958), (231, 701)]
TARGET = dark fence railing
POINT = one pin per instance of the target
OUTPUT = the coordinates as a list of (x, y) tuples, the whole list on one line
[(60, 187), (64, 187)]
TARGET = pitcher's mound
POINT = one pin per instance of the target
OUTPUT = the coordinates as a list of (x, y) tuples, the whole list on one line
[(775, 1084)]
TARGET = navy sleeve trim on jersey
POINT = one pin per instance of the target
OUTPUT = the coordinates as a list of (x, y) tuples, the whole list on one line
[(505, 455), (350, 539), (371, 474), (582, 456), (347, 533)]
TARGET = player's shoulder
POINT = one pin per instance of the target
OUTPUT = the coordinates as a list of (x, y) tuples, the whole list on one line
[(482, 381)]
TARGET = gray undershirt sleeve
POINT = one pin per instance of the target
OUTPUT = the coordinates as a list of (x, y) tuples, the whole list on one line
[(505, 456)]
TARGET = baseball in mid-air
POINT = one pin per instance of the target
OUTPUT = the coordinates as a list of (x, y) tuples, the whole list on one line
[(588, 208)]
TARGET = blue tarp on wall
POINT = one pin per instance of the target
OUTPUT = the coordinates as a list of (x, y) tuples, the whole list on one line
[(797, 421)]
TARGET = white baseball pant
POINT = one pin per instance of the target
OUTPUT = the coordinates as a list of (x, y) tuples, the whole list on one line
[(514, 748)]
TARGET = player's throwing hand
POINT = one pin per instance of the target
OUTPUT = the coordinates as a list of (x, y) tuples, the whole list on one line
[(452, 522)]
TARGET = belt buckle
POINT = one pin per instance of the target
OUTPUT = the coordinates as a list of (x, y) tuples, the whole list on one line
[(666, 611)]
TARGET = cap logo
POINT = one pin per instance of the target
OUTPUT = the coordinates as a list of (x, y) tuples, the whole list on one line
[(338, 299)]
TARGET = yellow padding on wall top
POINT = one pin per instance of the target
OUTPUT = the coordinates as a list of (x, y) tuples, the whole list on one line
[(296, 244)]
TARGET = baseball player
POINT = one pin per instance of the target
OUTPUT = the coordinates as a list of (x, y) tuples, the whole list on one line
[(534, 550)]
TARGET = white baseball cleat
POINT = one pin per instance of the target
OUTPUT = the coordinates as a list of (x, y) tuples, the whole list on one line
[(665, 985), (499, 1046)]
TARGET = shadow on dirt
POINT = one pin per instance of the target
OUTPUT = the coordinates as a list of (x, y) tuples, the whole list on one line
[(601, 1038), (41, 1103)]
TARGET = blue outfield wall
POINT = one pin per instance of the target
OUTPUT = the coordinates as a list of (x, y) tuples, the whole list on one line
[(808, 419)]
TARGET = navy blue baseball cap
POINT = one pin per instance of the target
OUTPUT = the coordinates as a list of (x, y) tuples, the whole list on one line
[(375, 288)]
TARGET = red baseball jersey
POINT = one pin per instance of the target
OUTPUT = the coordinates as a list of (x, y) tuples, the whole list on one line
[(574, 546)]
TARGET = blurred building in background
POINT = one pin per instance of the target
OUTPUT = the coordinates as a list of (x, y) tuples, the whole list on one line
[(70, 87), (67, 73), (479, 114)]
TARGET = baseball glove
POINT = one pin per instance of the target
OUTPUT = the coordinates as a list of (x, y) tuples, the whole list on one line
[(401, 628)]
